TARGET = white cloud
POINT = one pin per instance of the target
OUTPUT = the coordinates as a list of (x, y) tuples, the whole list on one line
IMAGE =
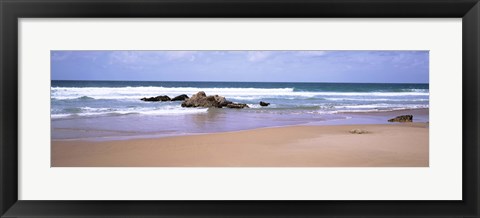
[(127, 57), (60, 55), (311, 53), (181, 55), (256, 56)]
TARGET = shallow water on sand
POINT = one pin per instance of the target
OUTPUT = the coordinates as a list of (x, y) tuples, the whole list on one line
[(214, 120)]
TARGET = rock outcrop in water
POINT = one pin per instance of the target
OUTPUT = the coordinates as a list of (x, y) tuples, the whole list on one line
[(403, 118), (180, 98), (237, 105), (158, 98), (166, 98), (264, 104), (199, 100), (202, 100)]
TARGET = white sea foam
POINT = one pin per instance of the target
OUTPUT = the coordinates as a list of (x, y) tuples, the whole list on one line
[(169, 110), (378, 107), (175, 111), (235, 93), (259, 106), (139, 92), (125, 100), (372, 93), (56, 116), (377, 99)]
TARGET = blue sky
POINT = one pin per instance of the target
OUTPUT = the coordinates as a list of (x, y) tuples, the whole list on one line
[(247, 66)]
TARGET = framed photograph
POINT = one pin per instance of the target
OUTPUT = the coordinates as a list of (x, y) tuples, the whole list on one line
[(226, 108), (264, 108)]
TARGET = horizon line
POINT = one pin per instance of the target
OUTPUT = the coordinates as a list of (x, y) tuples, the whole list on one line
[(235, 81)]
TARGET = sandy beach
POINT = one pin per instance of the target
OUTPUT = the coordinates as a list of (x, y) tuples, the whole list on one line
[(385, 145)]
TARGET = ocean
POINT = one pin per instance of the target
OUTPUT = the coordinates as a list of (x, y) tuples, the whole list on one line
[(106, 109)]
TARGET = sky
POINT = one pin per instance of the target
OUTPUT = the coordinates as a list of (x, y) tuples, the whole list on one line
[(243, 66)]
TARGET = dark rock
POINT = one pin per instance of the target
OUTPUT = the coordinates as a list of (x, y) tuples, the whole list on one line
[(158, 98), (237, 105), (202, 100), (264, 104), (164, 98), (358, 131), (403, 118), (180, 98)]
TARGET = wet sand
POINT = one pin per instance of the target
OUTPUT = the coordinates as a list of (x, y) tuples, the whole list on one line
[(385, 145)]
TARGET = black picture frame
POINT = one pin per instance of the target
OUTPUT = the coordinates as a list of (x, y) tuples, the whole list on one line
[(12, 10)]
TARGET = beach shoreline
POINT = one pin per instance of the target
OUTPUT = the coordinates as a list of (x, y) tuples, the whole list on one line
[(354, 118), (384, 145)]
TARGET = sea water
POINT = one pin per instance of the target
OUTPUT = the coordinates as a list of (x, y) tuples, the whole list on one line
[(102, 109)]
